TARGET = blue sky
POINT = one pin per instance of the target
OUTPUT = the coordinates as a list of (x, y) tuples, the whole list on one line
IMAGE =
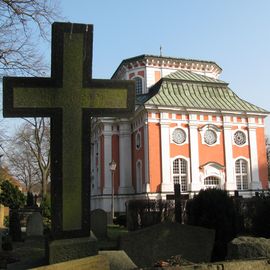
[(233, 33)]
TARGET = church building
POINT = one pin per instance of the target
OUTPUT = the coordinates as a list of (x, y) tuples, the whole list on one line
[(189, 127)]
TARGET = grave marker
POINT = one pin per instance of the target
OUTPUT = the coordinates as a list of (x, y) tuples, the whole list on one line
[(99, 223), (69, 97), (34, 225)]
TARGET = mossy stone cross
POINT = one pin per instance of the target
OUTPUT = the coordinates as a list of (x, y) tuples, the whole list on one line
[(69, 97)]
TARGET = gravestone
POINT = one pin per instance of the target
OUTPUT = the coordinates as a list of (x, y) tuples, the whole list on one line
[(34, 225), (99, 223), (161, 241), (69, 97)]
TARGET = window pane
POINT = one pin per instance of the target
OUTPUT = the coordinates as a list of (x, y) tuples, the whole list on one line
[(183, 183), (138, 85), (237, 166), (176, 166), (176, 179), (238, 182), (211, 181), (241, 171), (244, 166), (183, 166), (245, 182)]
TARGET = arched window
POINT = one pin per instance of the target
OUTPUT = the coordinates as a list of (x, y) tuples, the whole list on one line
[(180, 173), (241, 172), (138, 140), (139, 176), (212, 182), (138, 85)]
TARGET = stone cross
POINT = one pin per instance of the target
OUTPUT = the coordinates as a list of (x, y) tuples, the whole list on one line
[(69, 97)]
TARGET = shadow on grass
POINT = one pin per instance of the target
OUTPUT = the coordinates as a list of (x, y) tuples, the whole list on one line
[(113, 234)]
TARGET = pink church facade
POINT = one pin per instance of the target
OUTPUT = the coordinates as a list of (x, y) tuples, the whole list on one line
[(189, 127)]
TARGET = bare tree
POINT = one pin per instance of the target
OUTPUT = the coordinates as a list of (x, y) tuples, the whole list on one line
[(23, 165), (28, 154), (22, 23)]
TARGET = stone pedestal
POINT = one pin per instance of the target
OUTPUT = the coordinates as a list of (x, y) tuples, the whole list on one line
[(70, 249)]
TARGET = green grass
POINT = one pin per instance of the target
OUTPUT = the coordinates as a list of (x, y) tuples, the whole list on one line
[(115, 231), (111, 243)]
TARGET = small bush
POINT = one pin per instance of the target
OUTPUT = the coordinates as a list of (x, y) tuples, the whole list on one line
[(214, 209), (11, 196)]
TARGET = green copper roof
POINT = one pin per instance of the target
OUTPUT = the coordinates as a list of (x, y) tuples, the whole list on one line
[(193, 91), (184, 75)]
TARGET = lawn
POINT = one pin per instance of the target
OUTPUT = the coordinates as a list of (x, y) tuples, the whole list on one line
[(111, 242)]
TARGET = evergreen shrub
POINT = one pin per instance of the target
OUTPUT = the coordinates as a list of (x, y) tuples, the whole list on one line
[(257, 216), (214, 209)]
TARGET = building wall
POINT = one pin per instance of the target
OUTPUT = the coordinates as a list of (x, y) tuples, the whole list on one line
[(207, 153), (154, 157), (263, 170), (152, 161)]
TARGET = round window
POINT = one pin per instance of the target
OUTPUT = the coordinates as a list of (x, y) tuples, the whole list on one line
[(239, 137), (179, 136), (210, 137)]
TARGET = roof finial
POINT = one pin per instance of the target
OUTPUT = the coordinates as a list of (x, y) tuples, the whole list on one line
[(160, 50)]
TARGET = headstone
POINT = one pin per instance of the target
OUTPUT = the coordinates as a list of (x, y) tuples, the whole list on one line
[(161, 241), (118, 260), (34, 225), (69, 97), (247, 247), (99, 223), (15, 225)]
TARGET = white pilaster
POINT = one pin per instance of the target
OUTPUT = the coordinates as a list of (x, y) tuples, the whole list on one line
[(230, 179), (194, 156), (107, 133), (146, 157), (125, 158), (166, 184), (255, 181)]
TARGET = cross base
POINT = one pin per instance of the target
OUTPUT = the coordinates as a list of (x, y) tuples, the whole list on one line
[(70, 249)]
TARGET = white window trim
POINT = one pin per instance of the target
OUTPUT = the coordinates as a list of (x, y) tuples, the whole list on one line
[(171, 135), (213, 186), (212, 127), (248, 171), (214, 171), (142, 80), (188, 170), (138, 133), (246, 134)]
